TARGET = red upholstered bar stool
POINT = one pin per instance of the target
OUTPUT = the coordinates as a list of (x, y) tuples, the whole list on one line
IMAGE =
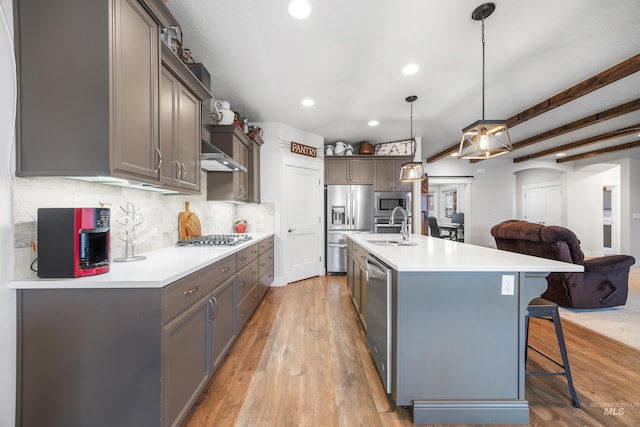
[(547, 310)]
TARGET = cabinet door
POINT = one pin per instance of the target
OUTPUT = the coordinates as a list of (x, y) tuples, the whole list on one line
[(363, 295), (336, 171), (384, 171), (255, 173), (223, 335), (361, 171), (387, 175), (136, 70), (241, 179), (169, 167), (189, 138), (186, 366), (397, 184)]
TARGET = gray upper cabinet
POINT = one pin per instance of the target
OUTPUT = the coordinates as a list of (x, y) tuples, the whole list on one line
[(231, 186), (387, 175), (254, 170), (179, 134), (89, 90), (342, 170)]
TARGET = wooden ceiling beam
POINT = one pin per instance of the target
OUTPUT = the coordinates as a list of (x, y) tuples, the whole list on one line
[(611, 75), (600, 152), (581, 123), (581, 143)]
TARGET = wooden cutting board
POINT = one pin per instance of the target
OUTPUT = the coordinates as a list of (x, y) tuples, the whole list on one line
[(188, 224)]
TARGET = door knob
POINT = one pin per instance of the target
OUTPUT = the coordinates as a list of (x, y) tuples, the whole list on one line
[(292, 229)]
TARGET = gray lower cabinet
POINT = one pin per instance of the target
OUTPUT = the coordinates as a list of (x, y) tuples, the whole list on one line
[(186, 365), (132, 356), (357, 279), (248, 292), (223, 333), (125, 357)]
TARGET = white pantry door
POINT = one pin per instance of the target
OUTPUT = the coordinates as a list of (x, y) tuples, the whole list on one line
[(302, 196)]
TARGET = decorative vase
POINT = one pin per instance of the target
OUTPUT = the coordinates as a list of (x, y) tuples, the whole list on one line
[(241, 227)]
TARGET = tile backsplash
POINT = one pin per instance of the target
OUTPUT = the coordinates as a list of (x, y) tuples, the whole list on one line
[(160, 214)]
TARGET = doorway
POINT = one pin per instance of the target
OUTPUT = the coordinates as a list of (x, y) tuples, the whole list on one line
[(609, 219)]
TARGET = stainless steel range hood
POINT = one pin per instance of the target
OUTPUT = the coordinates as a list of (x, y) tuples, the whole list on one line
[(214, 160)]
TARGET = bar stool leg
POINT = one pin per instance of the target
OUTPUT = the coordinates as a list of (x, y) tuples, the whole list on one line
[(563, 352)]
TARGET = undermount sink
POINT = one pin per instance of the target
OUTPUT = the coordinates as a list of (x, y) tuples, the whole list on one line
[(391, 243)]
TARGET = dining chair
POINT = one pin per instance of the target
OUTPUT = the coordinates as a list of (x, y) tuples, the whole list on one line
[(435, 229)]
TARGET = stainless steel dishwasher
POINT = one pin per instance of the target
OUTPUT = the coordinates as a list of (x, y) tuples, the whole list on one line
[(379, 317)]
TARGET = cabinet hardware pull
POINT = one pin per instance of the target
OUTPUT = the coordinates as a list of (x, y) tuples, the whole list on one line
[(184, 172), (159, 160), (243, 258), (214, 305), (224, 270), (192, 290), (244, 282), (212, 316)]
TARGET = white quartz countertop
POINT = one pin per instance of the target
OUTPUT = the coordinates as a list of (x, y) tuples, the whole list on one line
[(433, 254), (160, 268)]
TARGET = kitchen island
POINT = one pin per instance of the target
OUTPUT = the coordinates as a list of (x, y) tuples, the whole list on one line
[(456, 325)]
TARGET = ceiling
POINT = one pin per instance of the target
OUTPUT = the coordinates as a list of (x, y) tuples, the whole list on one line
[(348, 56)]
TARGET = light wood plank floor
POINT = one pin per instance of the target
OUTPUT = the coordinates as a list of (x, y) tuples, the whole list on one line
[(302, 360)]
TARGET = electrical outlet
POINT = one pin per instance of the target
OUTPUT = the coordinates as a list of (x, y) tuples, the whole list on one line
[(508, 284)]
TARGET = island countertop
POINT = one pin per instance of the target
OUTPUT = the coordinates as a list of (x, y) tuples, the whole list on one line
[(160, 268), (428, 253)]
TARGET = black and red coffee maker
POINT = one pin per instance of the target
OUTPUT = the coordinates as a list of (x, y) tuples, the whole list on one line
[(73, 242)]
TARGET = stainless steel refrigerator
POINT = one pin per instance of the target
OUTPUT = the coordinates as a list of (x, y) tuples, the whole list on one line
[(349, 209)]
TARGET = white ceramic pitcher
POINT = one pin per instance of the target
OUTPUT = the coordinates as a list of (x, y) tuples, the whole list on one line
[(222, 113)]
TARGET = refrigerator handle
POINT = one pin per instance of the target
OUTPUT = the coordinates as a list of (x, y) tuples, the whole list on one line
[(353, 207)]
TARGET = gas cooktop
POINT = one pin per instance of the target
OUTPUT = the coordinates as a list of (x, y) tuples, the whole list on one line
[(215, 240)]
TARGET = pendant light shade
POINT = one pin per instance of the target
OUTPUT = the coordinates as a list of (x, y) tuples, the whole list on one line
[(484, 139), (411, 171)]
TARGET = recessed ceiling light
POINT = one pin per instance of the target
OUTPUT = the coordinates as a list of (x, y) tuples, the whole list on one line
[(299, 9), (561, 154), (410, 69), (373, 123), (308, 102)]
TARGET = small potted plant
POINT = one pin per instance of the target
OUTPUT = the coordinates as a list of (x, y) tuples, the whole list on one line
[(240, 225)]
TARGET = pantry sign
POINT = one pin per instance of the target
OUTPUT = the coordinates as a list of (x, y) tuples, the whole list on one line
[(305, 150)]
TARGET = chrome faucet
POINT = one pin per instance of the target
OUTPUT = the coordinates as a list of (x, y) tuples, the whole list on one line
[(403, 228)]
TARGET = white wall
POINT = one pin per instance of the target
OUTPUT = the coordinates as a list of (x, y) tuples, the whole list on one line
[(7, 296)]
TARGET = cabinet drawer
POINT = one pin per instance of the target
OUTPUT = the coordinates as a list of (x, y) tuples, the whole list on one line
[(224, 268), (265, 281), (247, 306), (359, 254), (185, 292), (247, 255), (265, 262), (265, 245), (246, 278)]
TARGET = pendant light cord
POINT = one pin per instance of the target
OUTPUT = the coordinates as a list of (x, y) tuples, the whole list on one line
[(482, 69)]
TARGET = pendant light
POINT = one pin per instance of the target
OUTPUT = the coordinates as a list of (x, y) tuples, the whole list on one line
[(411, 171), (484, 139)]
